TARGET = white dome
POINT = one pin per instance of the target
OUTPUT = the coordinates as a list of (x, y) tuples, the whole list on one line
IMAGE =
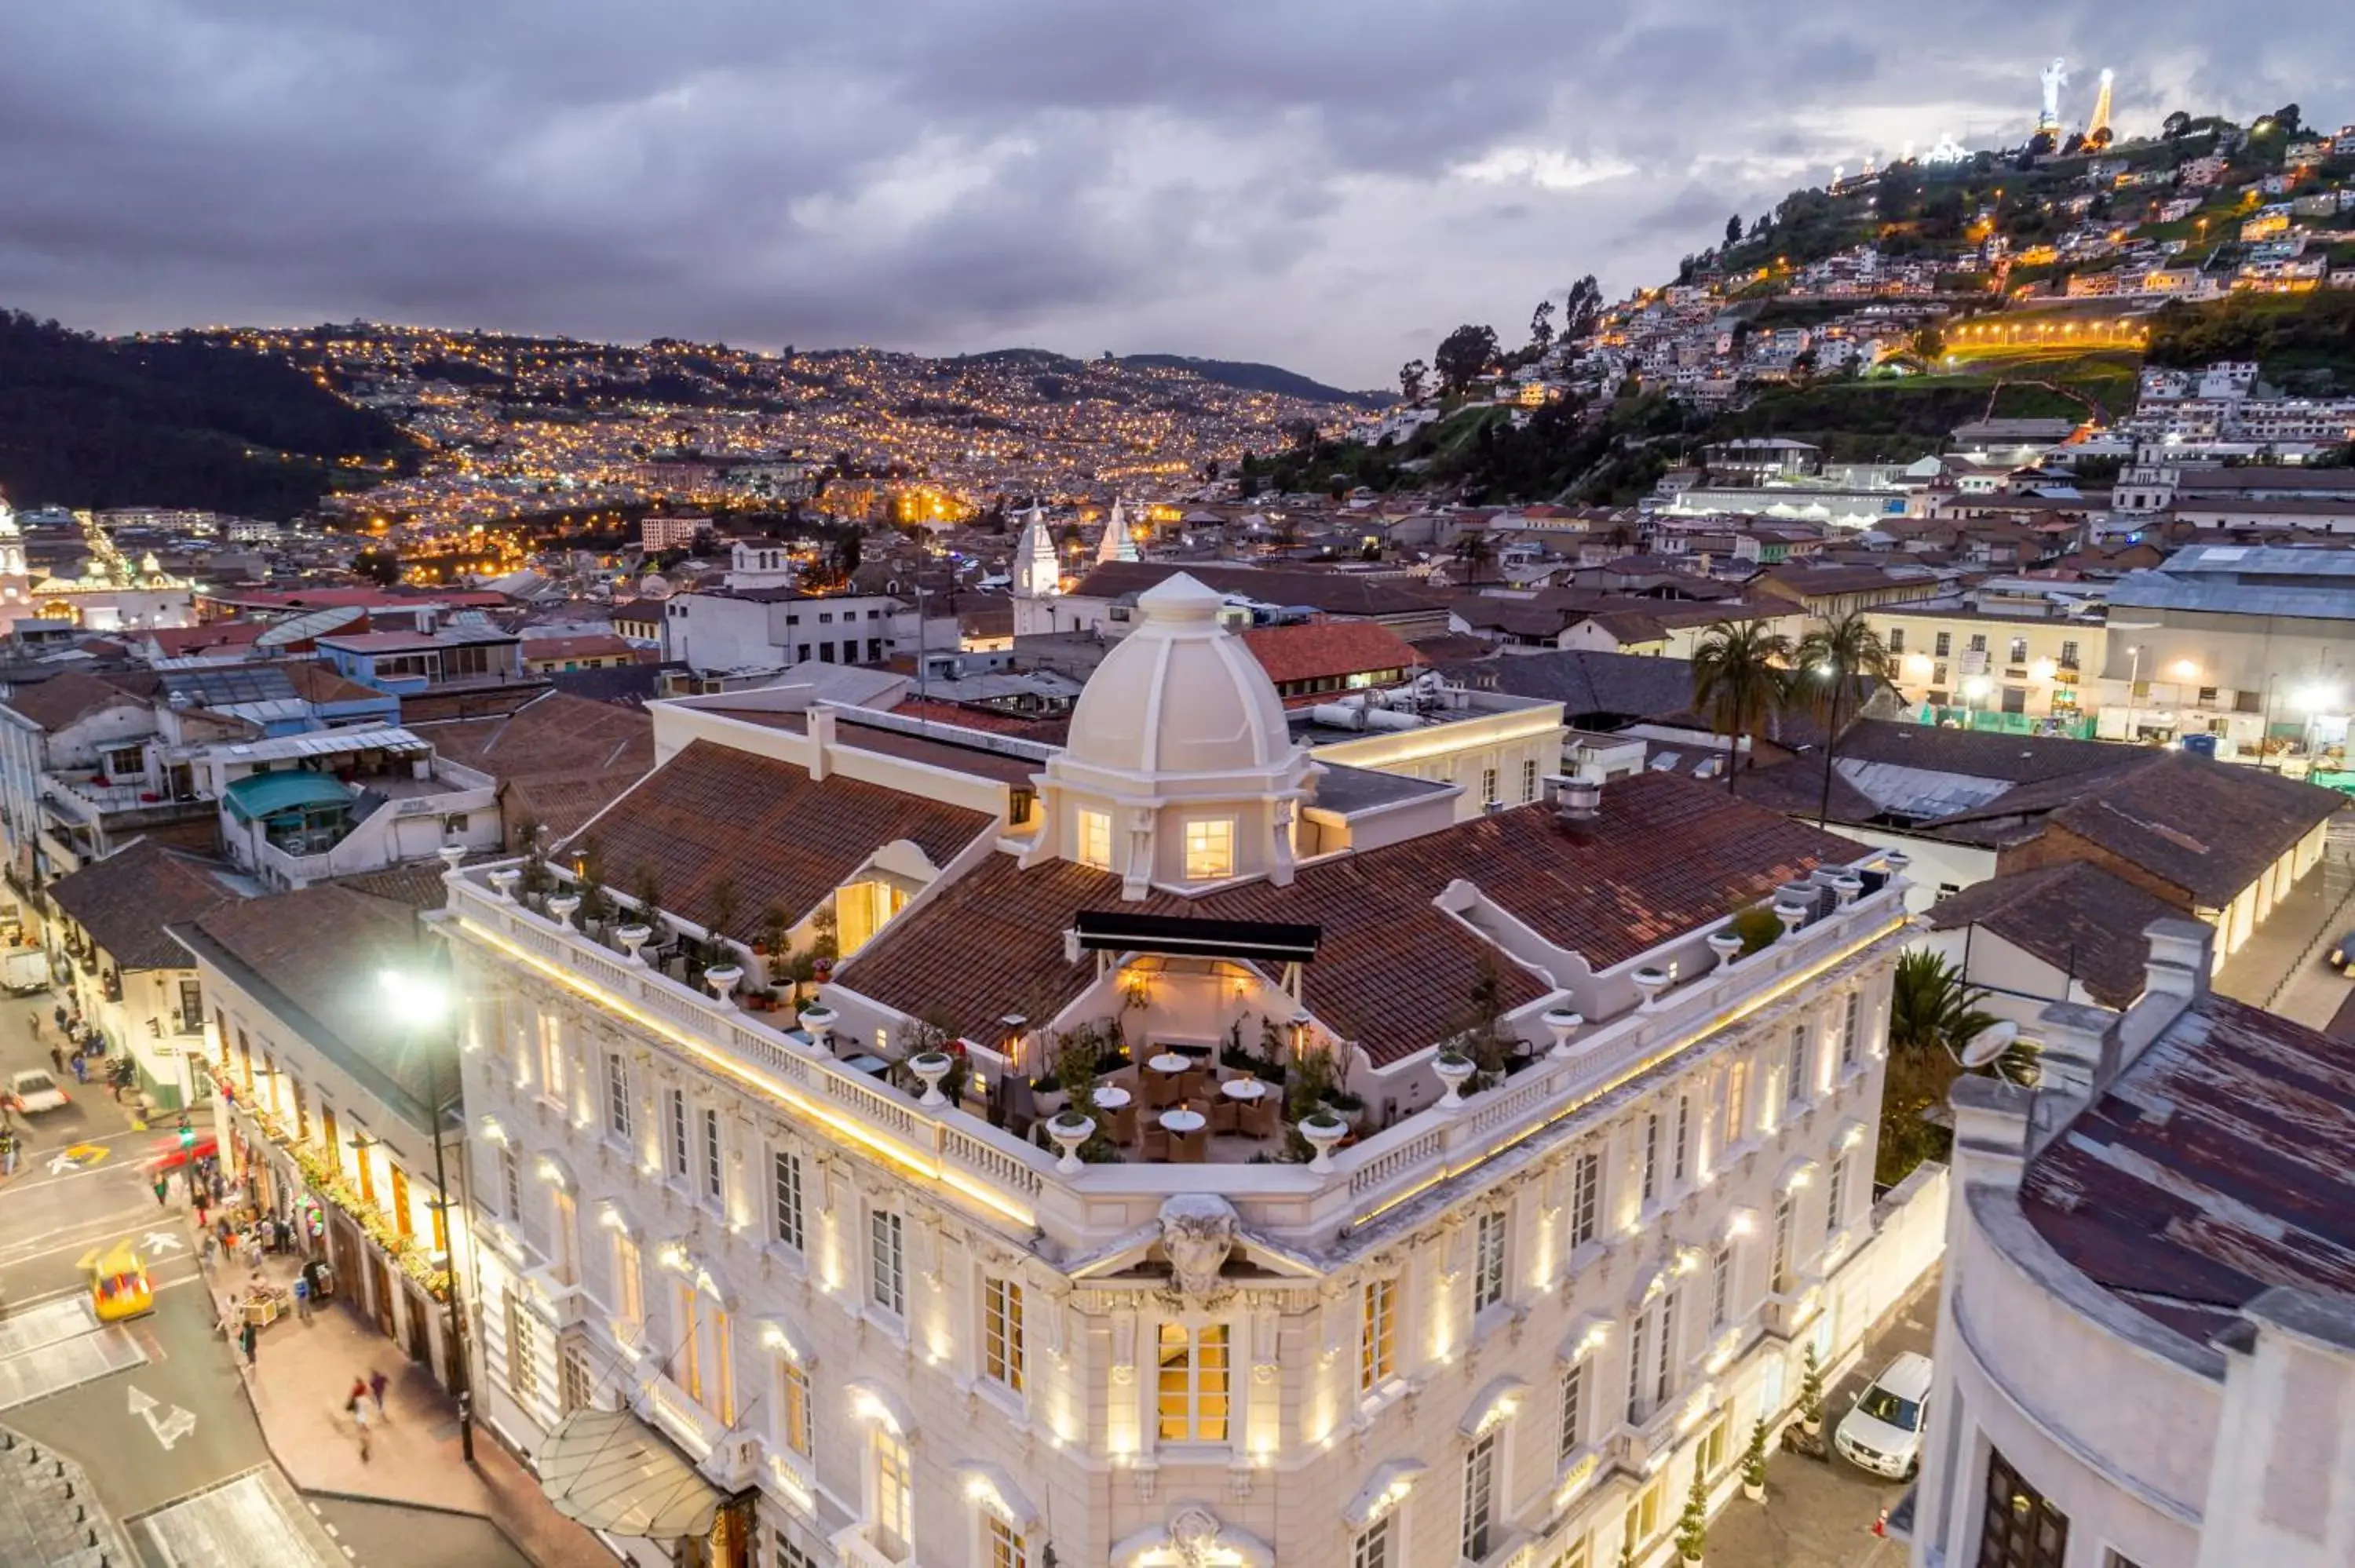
[(1180, 695)]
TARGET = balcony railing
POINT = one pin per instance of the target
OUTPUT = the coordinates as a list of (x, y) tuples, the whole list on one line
[(976, 1158)]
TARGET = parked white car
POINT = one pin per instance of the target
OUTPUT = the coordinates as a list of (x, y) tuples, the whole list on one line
[(1882, 1431), (33, 1090)]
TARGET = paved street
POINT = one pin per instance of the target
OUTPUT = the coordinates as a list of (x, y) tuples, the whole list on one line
[(1821, 1514), (2281, 967), (157, 1410)]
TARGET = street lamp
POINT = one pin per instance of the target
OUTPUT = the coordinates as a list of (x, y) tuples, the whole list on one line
[(423, 1002)]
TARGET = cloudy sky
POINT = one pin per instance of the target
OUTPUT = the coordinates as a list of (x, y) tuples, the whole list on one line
[(1327, 185)]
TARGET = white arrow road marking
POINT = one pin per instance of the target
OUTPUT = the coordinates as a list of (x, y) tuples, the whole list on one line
[(168, 1431), (164, 1241), (63, 1163)]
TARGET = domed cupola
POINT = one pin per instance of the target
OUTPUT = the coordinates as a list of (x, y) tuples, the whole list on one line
[(1180, 770)]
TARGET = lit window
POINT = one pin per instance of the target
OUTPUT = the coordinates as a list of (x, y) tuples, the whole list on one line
[(1193, 1392), (1836, 1195), (1480, 1497), (1373, 1549), (1378, 1335), (1585, 1197), (510, 1179), (1737, 1093), (1720, 1286), (711, 1177), (1001, 1332), (678, 1132), (1573, 1411), (794, 1406), (1095, 840), (1006, 1550), (1488, 1261), (1210, 848), (789, 1200), (1638, 1363), (523, 1349), (887, 1262), (895, 1497), (1778, 1270), (1711, 1456), (629, 1302), (617, 1095)]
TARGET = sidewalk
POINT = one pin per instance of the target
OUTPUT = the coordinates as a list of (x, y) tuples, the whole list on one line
[(304, 1370), (49, 1514)]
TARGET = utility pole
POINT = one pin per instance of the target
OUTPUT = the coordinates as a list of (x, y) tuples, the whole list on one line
[(461, 1364)]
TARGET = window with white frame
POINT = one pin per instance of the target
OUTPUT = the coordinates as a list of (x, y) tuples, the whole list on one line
[(1778, 1270), (1665, 1348), (1680, 1158), (1572, 1427), (617, 1095), (1639, 1365), (1378, 1334), (1643, 1517), (1480, 1498), (572, 1383), (1373, 1549), (1488, 1261), (1651, 1162), (1585, 1196), (1003, 1357), (510, 1181), (788, 1217), (1795, 1070), (678, 1132), (1574, 1553), (1095, 839), (1710, 1455), (1836, 1195), (788, 1555), (887, 1269), (794, 1405), (1737, 1100), (1529, 780), (1210, 848), (711, 1176), (629, 1283), (1851, 1028), (894, 1518), (1192, 1393), (1720, 1285), (1004, 1544), (523, 1349), (1489, 786)]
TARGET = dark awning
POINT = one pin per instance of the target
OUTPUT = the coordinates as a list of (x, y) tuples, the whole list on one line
[(1182, 935), (610, 1471)]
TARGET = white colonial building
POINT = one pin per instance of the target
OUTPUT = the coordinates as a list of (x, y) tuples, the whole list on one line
[(2146, 1349), (1556, 1183)]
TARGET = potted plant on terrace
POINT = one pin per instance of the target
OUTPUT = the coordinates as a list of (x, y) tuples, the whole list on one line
[(1692, 1526), (1754, 1462), (1811, 1391)]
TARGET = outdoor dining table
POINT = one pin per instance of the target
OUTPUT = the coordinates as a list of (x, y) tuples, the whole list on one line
[(1182, 1122), (1111, 1097), (1170, 1063), (1243, 1089)]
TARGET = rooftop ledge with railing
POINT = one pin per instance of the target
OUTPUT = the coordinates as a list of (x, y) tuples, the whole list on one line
[(976, 1164)]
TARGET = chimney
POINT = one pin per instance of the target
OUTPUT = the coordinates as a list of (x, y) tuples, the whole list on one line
[(2174, 980), (1576, 800), (821, 739)]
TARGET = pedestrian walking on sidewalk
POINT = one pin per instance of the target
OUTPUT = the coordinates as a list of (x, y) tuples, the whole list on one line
[(302, 1297), (359, 1395), (203, 1201), (57, 1059), (360, 1421), (36, 1023), (163, 1187), (58, 1013), (246, 1337), (376, 1380)]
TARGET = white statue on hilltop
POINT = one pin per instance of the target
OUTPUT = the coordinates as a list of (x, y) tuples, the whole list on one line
[(2056, 76)]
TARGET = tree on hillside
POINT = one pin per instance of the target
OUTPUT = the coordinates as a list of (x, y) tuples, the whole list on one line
[(1583, 312), (1412, 375), (2175, 126), (2288, 119), (1473, 549), (1832, 659), (1465, 355), (1738, 678), (1733, 229), (1541, 327), (379, 567), (1929, 343)]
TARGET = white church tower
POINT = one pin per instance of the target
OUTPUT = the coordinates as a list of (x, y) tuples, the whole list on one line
[(1117, 544), (1037, 577), (15, 583)]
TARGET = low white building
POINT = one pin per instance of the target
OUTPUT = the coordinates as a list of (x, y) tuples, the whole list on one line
[(2146, 1344), (863, 1304)]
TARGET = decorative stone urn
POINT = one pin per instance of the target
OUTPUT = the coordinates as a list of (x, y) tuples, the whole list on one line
[(561, 906), (1323, 1130), (503, 883), (1069, 1130), (932, 1067), (1651, 981), (1563, 1023), (633, 937), (819, 1022), (723, 978), (1455, 1070), (1726, 945)]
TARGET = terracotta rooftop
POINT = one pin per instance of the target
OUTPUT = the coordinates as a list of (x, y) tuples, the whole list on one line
[(712, 814), (1336, 593), (57, 702), (1326, 648), (560, 758), (1393, 973), (125, 901), (2213, 1167), (2075, 916)]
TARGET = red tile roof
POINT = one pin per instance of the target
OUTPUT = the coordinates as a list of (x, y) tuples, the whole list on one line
[(1324, 649), (1395, 974), (713, 814)]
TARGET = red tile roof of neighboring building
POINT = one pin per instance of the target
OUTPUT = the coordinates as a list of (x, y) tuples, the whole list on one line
[(712, 814), (1323, 650), (1664, 857), (586, 645), (180, 641)]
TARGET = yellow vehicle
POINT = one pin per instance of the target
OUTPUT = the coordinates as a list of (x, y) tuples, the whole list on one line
[(118, 1286)]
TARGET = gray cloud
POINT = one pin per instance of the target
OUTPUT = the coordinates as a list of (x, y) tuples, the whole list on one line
[(1311, 181)]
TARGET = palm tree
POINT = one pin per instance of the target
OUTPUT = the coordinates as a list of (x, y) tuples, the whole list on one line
[(1931, 1007), (1473, 547), (1831, 659), (1739, 678)]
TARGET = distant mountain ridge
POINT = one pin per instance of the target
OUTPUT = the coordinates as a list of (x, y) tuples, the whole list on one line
[(1244, 375)]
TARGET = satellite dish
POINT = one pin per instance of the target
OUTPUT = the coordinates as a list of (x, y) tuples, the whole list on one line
[(1990, 1044)]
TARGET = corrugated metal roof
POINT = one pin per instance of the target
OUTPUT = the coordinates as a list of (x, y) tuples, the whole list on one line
[(325, 742)]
